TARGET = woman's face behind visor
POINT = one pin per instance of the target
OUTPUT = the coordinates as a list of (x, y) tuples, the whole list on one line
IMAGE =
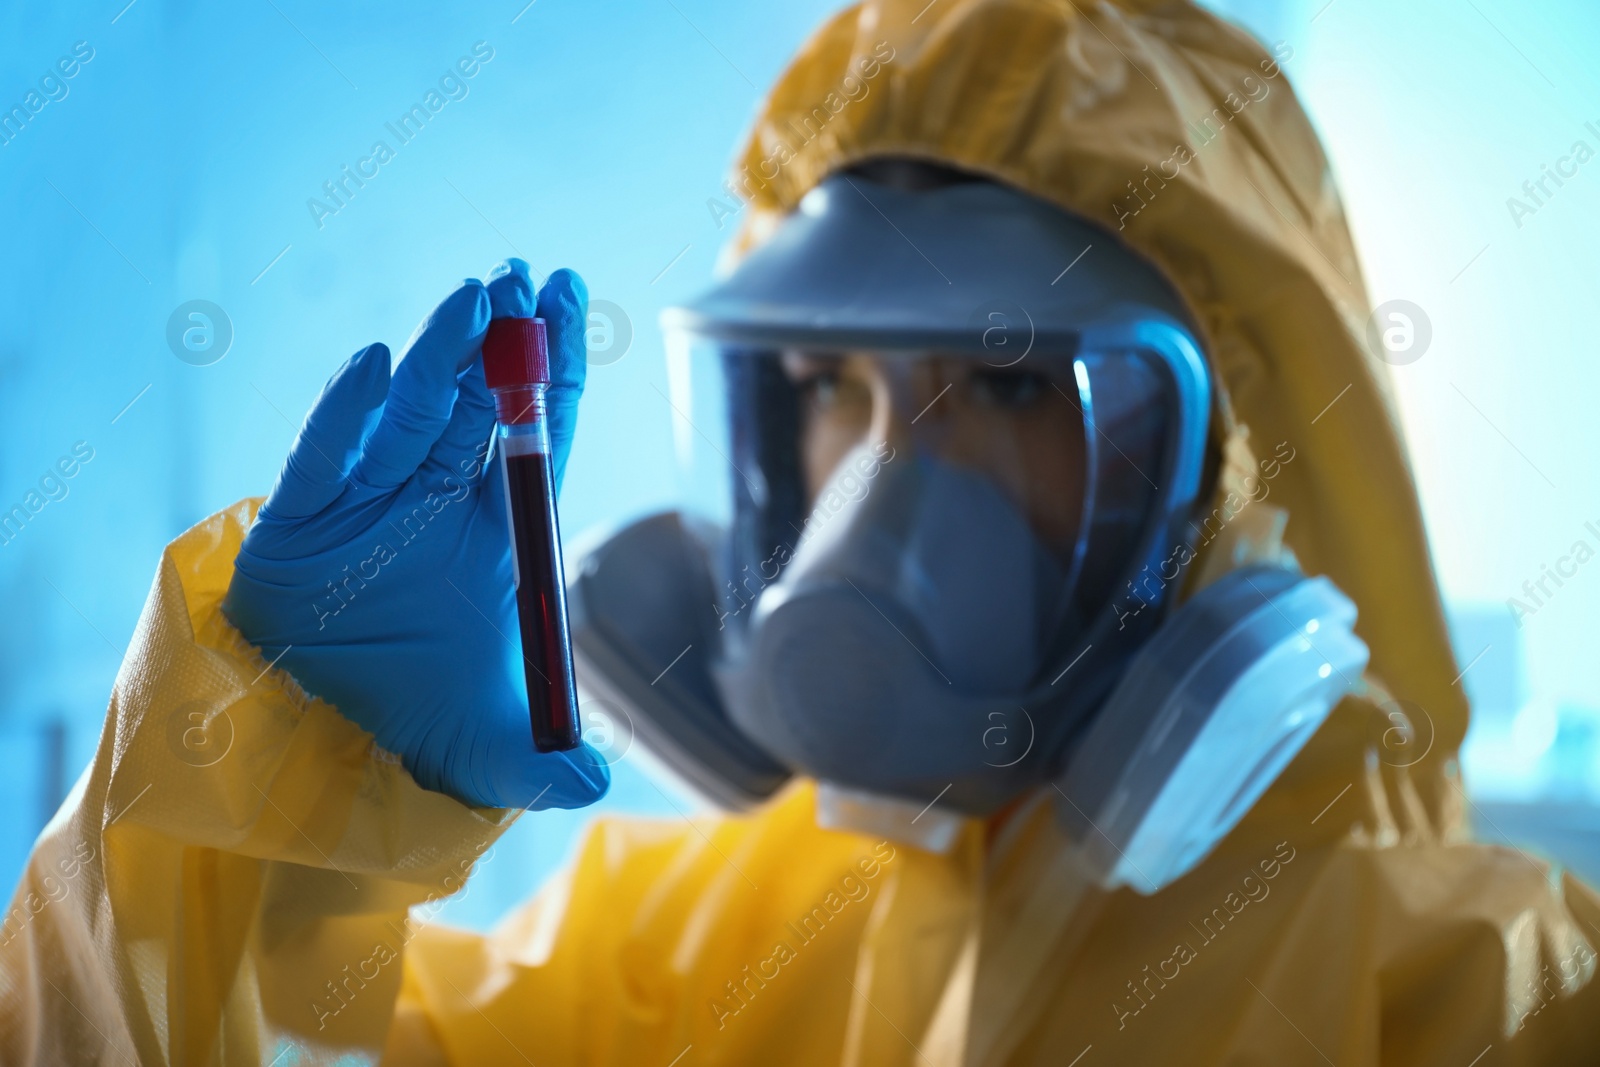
[(1018, 426)]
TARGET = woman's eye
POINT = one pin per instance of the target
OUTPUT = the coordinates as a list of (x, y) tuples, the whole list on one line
[(1007, 388), (822, 388)]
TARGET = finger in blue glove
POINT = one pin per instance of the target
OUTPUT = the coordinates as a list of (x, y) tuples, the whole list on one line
[(378, 572)]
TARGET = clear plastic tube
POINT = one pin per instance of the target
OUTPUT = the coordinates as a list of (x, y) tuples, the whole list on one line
[(523, 445)]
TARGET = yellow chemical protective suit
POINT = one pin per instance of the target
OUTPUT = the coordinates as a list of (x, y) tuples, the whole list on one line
[(240, 895)]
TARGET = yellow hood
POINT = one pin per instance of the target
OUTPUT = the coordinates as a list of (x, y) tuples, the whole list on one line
[(1180, 135)]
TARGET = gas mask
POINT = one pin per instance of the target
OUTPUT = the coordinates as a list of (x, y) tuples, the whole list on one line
[(951, 444)]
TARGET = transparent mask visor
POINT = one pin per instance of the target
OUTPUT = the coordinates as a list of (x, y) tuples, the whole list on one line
[(986, 510)]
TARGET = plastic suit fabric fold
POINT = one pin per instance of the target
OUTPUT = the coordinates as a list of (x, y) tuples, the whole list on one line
[(254, 909)]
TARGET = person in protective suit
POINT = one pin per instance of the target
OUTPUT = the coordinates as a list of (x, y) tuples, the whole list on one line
[(1070, 641)]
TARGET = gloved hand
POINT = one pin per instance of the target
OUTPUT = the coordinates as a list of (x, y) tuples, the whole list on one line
[(378, 572)]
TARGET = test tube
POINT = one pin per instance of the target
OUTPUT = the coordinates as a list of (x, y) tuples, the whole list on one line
[(516, 366)]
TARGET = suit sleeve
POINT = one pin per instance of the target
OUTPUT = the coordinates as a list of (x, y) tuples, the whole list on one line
[(230, 880)]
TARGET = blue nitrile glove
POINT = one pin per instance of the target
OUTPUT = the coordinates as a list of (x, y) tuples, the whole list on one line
[(379, 569)]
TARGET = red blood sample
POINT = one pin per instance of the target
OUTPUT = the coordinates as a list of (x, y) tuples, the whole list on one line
[(516, 365)]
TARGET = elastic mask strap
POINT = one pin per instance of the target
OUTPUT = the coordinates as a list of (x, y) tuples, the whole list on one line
[(923, 826)]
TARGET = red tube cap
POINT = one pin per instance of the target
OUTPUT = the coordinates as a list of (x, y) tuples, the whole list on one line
[(516, 352)]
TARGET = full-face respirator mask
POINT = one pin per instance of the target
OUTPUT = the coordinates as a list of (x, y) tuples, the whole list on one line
[(954, 485)]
